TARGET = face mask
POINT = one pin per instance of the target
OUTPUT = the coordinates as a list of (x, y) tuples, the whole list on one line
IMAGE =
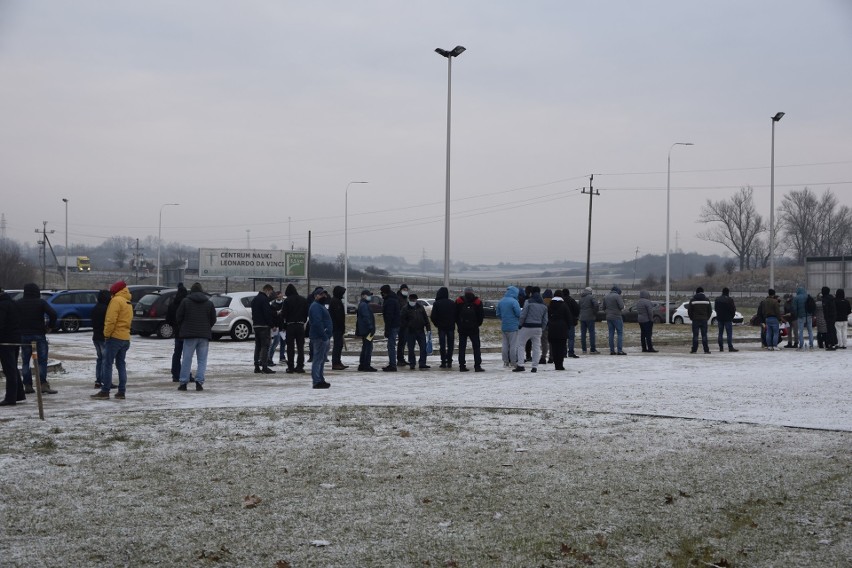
[(405, 293), (412, 304)]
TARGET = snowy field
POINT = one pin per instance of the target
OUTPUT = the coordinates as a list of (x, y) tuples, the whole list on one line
[(670, 459)]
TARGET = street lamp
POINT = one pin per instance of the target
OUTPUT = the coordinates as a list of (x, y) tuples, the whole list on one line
[(668, 224), (160, 238), (455, 52), (775, 119), (65, 200), (346, 246)]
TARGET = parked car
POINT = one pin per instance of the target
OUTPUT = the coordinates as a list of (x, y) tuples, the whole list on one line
[(681, 315), (45, 294), (427, 304), (233, 315), (73, 308), (631, 315), (149, 314), (137, 291), (489, 308)]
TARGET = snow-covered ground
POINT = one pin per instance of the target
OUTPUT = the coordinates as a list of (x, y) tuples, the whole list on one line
[(809, 389)]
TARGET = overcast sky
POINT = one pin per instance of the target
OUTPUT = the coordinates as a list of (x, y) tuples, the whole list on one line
[(255, 115)]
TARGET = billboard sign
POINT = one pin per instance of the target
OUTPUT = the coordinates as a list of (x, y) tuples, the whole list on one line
[(252, 263)]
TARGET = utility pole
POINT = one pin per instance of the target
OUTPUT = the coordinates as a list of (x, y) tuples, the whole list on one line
[(635, 258), (591, 193), (45, 242)]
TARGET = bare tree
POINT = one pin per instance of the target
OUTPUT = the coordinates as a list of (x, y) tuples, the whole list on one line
[(15, 271), (815, 225), (736, 224), (798, 221), (710, 269), (729, 266)]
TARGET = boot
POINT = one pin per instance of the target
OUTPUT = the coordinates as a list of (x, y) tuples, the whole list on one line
[(45, 388)]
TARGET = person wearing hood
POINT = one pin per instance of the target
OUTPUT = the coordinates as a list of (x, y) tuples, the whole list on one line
[(842, 311), (509, 314), (294, 310), (98, 320), (33, 310), (337, 311), (469, 317), (725, 312), (788, 315), (589, 308), (645, 317), (402, 298), (558, 323), (443, 317), (119, 316), (804, 316), (171, 319), (365, 328), (533, 319), (195, 318), (613, 306), (699, 311), (390, 316), (10, 337), (829, 313)]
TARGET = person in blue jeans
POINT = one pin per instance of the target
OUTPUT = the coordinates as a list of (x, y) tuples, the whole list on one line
[(804, 317), (33, 310), (613, 305), (771, 308), (195, 318), (391, 316), (320, 336), (119, 315), (98, 318)]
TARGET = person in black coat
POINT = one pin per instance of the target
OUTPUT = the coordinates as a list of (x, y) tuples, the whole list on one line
[(295, 313), (414, 323), (171, 319), (98, 318), (10, 333), (443, 316), (33, 310), (558, 321), (195, 318), (263, 320), (337, 311), (574, 313), (390, 316), (842, 311), (469, 316), (829, 312)]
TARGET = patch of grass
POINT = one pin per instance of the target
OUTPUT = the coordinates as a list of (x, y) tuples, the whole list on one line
[(45, 445)]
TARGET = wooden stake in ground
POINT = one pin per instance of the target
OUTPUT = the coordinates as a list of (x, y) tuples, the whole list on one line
[(34, 365)]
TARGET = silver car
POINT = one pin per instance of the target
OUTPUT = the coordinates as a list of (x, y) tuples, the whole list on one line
[(233, 315)]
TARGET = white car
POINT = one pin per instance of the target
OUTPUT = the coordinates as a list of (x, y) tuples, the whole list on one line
[(427, 305), (681, 315), (233, 315)]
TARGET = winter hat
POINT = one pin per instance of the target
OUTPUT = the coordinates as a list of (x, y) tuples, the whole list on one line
[(700, 290), (588, 288), (385, 289), (117, 287), (826, 290), (468, 289), (725, 291), (366, 293), (771, 291), (548, 293), (412, 297), (196, 287)]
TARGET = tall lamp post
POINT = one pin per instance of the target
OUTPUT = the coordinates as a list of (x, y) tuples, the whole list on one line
[(455, 52), (160, 237), (65, 200), (346, 245), (775, 119), (668, 224)]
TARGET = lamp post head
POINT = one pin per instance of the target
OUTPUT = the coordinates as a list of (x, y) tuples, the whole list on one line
[(777, 117), (455, 52), (65, 200)]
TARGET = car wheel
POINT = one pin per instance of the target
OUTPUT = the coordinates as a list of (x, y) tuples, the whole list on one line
[(713, 321), (658, 319), (165, 331), (241, 331), (678, 320), (71, 324)]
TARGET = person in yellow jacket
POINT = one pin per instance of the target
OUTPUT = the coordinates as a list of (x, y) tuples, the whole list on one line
[(117, 336)]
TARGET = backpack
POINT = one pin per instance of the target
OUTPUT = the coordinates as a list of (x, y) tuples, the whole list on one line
[(810, 305), (467, 316)]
